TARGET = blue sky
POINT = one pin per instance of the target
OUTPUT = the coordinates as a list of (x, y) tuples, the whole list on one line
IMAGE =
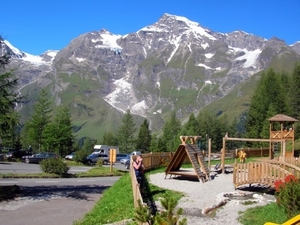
[(35, 26)]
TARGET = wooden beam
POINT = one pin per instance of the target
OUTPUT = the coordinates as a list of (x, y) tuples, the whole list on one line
[(192, 139), (251, 139)]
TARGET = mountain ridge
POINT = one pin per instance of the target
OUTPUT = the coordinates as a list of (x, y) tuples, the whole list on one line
[(173, 64)]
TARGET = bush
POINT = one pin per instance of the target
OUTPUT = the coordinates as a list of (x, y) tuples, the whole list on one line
[(288, 196), (80, 156), (56, 166), (99, 162)]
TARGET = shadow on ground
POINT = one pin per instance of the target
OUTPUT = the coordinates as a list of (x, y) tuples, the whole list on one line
[(76, 192)]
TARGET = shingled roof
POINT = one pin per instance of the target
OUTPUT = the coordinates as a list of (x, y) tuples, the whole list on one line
[(282, 118)]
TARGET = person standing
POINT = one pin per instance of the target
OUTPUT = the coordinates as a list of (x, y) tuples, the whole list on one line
[(139, 170)]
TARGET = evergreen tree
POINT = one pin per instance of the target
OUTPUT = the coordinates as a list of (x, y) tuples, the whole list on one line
[(88, 145), (109, 139), (295, 97), (38, 121), (143, 141), (206, 123), (11, 135), (58, 136), (157, 144), (191, 127), (8, 98), (126, 133), (171, 132), (269, 90)]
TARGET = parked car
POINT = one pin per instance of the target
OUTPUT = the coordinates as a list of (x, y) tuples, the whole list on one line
[(2, 156), (16, 154), (123, 160), (121, 156), (127, 164), (70, 156), (94, 157), (136, 153), (36, 158)]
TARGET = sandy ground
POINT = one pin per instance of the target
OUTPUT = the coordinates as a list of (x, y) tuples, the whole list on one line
[(201, 196)]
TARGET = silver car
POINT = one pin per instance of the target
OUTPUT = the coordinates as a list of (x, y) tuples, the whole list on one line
[(93, 158), (70, 157)]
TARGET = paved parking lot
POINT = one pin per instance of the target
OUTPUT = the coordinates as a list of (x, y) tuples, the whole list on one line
[(50, 201)]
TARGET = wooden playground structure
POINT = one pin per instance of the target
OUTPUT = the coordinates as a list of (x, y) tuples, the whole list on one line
[(264, 172), (192, 151)]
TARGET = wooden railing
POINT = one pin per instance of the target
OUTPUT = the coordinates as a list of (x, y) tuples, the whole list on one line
[(265, 172), (291, 160)]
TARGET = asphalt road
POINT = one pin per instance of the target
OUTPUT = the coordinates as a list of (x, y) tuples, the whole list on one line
[(58, 201), (22, 168)]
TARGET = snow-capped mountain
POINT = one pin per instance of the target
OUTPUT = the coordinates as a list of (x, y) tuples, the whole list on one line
[(173, 64)]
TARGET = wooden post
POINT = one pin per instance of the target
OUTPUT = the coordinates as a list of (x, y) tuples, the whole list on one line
[(270, 143), (235, 158), (223, 155), (209, 154)]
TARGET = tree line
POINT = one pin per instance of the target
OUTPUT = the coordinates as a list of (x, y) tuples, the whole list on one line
[(52, 130)]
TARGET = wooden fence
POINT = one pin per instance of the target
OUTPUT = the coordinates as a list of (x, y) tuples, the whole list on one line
[(155, 160), (135, 187)]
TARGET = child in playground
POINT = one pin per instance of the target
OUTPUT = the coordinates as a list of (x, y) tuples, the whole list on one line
[(139, 170), (242, 155)]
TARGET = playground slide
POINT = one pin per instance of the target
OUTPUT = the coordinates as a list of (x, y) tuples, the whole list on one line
[(294, 221)]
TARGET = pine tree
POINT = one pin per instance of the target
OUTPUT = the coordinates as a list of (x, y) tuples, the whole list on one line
[(38, 121), (58, 136), (269, 90), (143, 141), (295, 96), (191, 127), (171, 132), (157, 144), (109, 139), (8, 98), (126, 133)]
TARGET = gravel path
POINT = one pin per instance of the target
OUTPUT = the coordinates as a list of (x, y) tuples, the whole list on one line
[(200, 196)]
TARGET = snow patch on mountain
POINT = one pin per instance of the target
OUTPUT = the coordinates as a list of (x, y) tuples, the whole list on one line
[(107, 40), (204, 45), (14, 49), (136, 109), (207, 67), (194, 26), (80, 59), (33, 59), (123, 88), (176, 43), (209, 55), (250, 56)]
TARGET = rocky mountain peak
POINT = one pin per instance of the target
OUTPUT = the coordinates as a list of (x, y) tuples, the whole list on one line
[(296, 47), (173, 64)]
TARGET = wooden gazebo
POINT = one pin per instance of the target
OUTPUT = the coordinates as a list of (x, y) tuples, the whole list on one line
[(282, 133)]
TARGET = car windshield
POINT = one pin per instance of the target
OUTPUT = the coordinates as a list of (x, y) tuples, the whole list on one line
[(92, 156)]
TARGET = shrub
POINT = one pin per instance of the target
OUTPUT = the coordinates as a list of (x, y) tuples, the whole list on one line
[(80, 156), (56, 166), (168, 216), (99, 162), (288, 196)]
